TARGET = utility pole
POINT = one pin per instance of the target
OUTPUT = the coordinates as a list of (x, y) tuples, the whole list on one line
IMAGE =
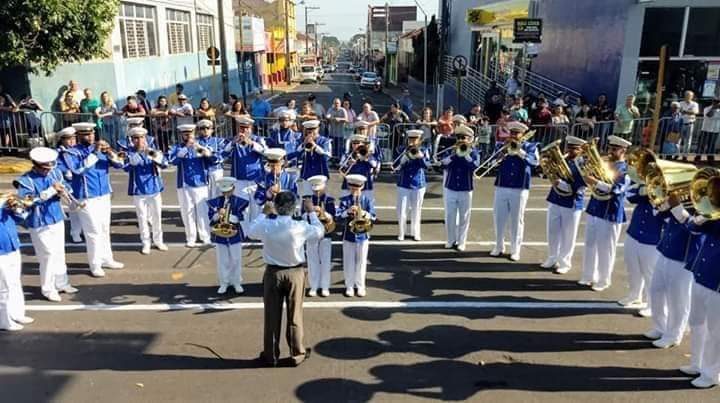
[(242, 61), (425, 55), (658, 98), (287, 41), (307, 49), (387, 40), (223, 52), (369, 39)]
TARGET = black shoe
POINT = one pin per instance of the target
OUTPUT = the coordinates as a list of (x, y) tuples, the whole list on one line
[(261, 362)]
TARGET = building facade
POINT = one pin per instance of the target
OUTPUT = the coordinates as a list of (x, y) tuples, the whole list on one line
[(154, 45)]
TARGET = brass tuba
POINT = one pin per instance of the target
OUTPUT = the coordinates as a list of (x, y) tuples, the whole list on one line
[(639, 160), (705, 193), (362, 222), (224, 228), (554, 166), (667, 177), (594, 165)]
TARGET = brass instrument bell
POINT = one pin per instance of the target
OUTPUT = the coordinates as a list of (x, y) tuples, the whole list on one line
[(554, 166), (705, 193)]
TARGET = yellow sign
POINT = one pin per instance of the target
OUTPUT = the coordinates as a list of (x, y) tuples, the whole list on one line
[(479, 16)]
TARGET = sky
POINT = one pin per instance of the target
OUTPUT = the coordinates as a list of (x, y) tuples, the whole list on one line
[(345, 18)]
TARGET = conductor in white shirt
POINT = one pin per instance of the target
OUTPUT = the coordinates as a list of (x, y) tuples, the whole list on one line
[(283, 240)]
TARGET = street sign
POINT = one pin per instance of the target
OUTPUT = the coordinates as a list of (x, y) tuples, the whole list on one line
[(215, 62), (527, 30), (213, 53), (459, 65)]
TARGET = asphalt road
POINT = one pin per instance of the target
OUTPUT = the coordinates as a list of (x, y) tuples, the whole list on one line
[(436, 324)]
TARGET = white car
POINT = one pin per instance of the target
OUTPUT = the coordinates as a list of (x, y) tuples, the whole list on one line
[(320, 72), (308, 73), (368, 79)]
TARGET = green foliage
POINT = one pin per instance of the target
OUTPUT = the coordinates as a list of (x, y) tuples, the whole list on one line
[(330, 42), (41, 34)]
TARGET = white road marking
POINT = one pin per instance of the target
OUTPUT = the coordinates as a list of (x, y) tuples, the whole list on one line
[(380, 243), (485, 209), (459, 305)]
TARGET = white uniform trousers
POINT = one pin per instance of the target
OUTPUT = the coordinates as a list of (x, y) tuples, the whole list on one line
[(12, 300), (229, 264), (355, 263), (457, 216), (705, 331), (246, 190), (194, 209), (75, 225), (49, 245), (95, 220), (412, 200), (149, 215), (319, 258), (670, 298), (213, 178), (640, 260), (509, 205), (562, 229), (601, 239)]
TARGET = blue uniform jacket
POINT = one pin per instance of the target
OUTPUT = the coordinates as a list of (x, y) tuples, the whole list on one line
[(246, 162), (43, 212), (237, 208), (613, 209), (287, 139), (9, 241), (315, 162), (288, 182), (677, 241), (515, 172), (216, 144), (192, 169), (328, 204), (645, 225), (576, 200), (459, 171), (365, 168), (144, 178), (706, 265), (411, 172), (89, 181), (345, 203)]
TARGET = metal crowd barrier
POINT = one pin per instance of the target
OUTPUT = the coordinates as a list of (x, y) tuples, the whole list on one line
[(20, 130)]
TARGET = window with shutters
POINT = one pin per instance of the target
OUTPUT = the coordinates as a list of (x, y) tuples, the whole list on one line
[(138, 30), (178, 29), (205, 30)]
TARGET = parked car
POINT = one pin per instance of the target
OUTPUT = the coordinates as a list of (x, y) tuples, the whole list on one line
[(358, 74), (368, 79), (308, 74), (320, 72)]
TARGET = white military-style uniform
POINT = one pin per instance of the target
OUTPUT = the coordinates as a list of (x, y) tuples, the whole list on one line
[(411, 185), (319, 252), (355, 245)]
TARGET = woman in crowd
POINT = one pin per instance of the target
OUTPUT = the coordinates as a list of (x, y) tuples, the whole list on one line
[(347, 105), (306, 113), (106, 113), (427, 124), (205, 111), (162, 127)]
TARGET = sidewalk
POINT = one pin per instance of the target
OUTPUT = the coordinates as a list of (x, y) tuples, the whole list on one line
[(14, 165), (416, 93)]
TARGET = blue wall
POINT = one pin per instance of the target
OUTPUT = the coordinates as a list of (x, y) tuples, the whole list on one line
[(583, 44), (156, 75)]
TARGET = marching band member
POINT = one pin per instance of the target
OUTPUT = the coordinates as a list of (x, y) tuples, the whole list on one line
[(705, 299), (458, 188), (671, 283), (313, 154), (67, 144), (363, 128), (641, 254), (227, 210), (319, 252), (125, 143), (512, 185), (216, 144), (605, 219), (359, 161), (245, 153), (411, 161), (275, 179), (355, 244), (12, 299), (564, 212), (284, 136), (145, 185), (45, 185), (192, 185), (90, 167)]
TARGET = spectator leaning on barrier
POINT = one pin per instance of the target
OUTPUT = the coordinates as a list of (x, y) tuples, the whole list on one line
[(427, 124), (89, 105), (585, 119), (70, 109), (205, 110), (710, 127), (142, 100), (518, 112), (351, 115), (182, 112), (161, 123), (173, 99), (106, 112), (543, 114), (689, 110), (371, 118), (31, 108), (672, 127), (133, 109), (625, 115)]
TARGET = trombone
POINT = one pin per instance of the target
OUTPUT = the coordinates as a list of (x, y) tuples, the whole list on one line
[(510, 148)]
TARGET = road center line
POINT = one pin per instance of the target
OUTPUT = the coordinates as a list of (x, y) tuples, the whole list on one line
[(450, 305), (380, 243)]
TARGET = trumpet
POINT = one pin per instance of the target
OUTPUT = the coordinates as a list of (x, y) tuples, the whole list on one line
[(224, 228), (510, 148), (309, 146), (105, 148), (362, 153), (361, 222), (554, 166), (152, 153), (201, 150), (705, 193), (16, 203), (70, 200)]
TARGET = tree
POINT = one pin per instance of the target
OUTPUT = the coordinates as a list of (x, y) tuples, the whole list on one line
[(41, 34), (330, 42)]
